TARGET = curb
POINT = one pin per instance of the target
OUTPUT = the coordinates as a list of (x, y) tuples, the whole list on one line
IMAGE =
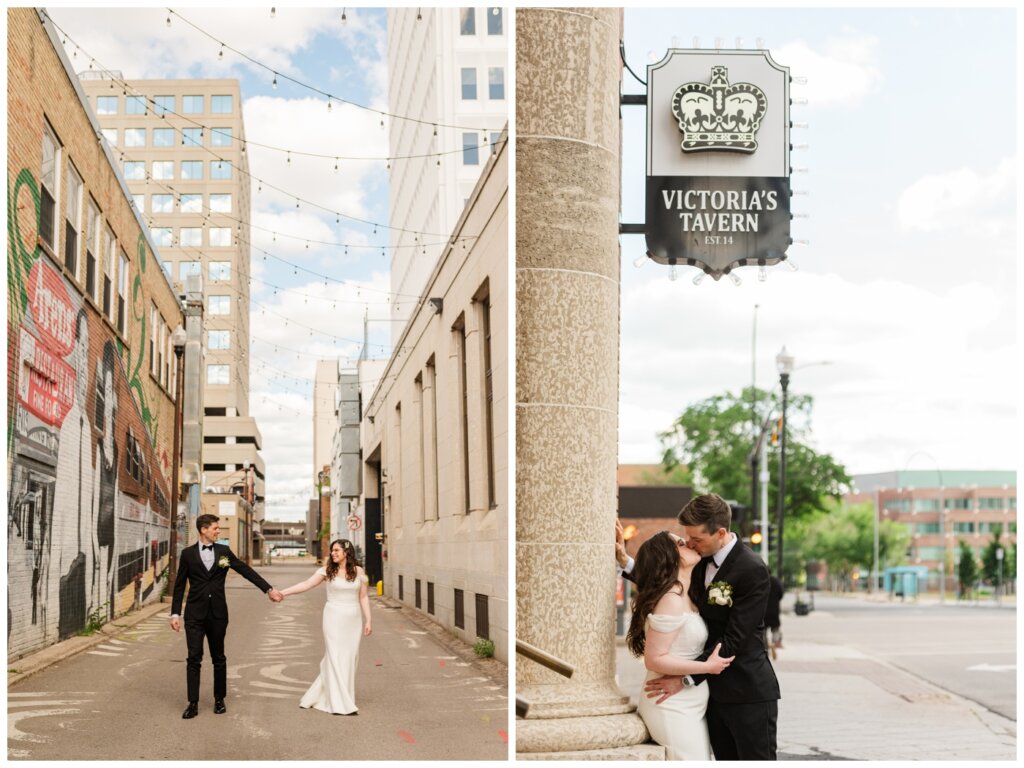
[(45, 658)]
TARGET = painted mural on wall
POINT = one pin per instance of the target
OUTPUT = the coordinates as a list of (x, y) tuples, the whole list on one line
[(88, 501)]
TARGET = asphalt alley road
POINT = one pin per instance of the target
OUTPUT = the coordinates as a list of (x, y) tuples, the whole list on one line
[(421, 694)]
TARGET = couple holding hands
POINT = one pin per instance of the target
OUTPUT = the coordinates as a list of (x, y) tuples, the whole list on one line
[(698, 623), (204, 566)]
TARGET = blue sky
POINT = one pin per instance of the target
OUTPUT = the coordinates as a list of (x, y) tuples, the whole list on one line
[(346, 59), (908, 286)]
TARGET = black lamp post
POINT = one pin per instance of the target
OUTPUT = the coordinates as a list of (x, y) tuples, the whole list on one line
[(784, 362), (178, 339)]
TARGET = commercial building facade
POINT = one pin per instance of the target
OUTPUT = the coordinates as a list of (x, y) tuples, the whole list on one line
[(181, 145), (434, 433), (91, 373)]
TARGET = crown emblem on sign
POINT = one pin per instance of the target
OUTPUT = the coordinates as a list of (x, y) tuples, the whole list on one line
[(717, 115)]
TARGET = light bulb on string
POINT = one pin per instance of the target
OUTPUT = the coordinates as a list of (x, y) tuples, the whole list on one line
[(344, 18), (168, 21), (335, 165), (328, 103), (275, 80), (220, 53), (273, 12)]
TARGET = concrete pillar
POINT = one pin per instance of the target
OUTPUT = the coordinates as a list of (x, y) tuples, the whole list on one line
[(568, 75)]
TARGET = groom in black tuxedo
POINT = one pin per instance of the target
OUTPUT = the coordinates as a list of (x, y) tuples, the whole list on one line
[(204, 565), (730, 587)]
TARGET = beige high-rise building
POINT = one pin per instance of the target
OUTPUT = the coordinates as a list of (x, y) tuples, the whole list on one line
[(181, 146)]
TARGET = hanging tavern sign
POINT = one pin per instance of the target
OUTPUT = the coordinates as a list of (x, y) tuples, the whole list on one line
[(717, 160)]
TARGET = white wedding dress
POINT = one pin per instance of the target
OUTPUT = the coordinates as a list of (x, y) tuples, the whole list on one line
[(678, 723), (335, 689)]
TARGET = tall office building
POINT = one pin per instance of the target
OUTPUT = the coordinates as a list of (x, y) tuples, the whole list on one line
[(181, 145), (449, 68)]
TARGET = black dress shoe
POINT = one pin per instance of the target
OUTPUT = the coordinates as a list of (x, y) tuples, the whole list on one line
[(218, 707), (190, 711)]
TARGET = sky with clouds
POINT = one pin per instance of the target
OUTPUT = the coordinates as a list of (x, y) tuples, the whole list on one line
[(324, 318), (908, 284)]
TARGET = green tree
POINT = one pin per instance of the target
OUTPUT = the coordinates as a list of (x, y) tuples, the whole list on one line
[(843, 536), (678, 475), (967, 571), (990, 557), (715, 437)]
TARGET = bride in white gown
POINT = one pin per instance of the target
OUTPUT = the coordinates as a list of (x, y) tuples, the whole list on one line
[(335, 689), (669, 633)]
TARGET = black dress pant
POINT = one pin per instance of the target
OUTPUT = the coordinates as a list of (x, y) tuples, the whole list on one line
[(743, 731), (214, 630)]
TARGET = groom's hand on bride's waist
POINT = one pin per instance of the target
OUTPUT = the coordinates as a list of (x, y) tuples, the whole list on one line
[(663, 687)]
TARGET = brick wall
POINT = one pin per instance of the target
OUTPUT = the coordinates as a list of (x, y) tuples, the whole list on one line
[(89, 418)]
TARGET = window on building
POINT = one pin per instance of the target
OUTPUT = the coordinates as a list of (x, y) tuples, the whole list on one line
[(220, 203), (459, 329), (963, 527), (997, 502), (167, 267), (134, 170), (495, 21), (218, 340), (220, 137), (958, 504), (483, 304), (186, 268), (163, 104), (220, 236), (221, 105), (926, 505), (163, 137), (110, 262), (495, 138), (467, 21), (162, 203), (928, 528), (218, 374), (106, 105), (418, 600), (468, 83), (496, 83), (73, 220), (48, 188), (163, 169), (110, 134), (192, 105), (139, 201), (122, 295), (220, 305), (92, 247), (193, 136), (192, 203), (220, 270), (483, 623), (460, 609), (191, 170), (163, 237), (153, 325), (135, 105), (191, 236), (135, 137), (220, 169), (470, 149), (401, 587), (430, 598)]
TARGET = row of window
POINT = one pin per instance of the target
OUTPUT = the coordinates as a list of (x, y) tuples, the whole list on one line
[(932, 505), (165, 137), (495, 21), (495, 83), (218, 237), (217, 270), (190, 105), (483, 624), (191, 202), (163, 170)]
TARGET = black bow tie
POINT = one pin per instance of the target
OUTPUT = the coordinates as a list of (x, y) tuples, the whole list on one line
[(207, 546)]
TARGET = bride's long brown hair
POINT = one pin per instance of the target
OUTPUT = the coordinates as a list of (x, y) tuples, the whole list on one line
[(350, 560), (656, 571)]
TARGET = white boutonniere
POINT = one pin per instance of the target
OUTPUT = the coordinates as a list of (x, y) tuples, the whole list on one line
[(720, 593), (223, 562)]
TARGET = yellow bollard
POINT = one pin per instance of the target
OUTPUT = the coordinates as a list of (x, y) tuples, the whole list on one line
[(380, 588)]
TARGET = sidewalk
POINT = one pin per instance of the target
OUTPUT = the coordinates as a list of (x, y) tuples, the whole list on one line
[(839, 704)]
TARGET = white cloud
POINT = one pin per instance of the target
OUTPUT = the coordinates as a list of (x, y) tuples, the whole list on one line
[(910, 367), (963, 199), (842, 72)]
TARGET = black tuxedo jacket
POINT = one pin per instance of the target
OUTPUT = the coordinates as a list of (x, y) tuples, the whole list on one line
[(206, 587), (738, 627)]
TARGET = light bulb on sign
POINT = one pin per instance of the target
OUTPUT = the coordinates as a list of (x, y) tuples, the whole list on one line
[(736, 280), (699, 278), (639, 261)]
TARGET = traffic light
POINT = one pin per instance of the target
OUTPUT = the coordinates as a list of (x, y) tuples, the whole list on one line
[(773, 539), (755, 537)]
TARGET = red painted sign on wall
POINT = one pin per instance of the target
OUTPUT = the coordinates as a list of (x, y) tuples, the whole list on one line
[(46, 384), (51, 309)]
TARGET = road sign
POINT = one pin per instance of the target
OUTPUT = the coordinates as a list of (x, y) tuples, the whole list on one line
[(354, 522)]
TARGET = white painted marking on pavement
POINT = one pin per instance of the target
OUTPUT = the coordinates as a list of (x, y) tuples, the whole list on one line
[(991, 667)]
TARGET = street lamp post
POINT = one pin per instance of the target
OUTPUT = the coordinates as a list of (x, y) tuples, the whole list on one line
[(784, 362), (874, 566), (178, 339)]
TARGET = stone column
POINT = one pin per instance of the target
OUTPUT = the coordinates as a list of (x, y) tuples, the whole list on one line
[(568, 74)]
